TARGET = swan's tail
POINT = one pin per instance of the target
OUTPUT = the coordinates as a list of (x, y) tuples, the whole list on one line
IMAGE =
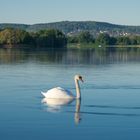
[(43, 93)]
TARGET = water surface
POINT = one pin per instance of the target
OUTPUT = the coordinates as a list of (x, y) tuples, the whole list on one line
[(110, 105)]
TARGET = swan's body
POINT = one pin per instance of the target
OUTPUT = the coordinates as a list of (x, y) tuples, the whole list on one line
[(58, 92), (61, 93), (53, 102)]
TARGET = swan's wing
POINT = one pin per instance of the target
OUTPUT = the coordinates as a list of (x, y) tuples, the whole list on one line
[(58, 92), (68, 92)]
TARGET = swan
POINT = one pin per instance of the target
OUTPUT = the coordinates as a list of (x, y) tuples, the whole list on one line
[(61, 93)]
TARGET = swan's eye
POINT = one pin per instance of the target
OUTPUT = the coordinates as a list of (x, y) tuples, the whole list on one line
[(80, 77)]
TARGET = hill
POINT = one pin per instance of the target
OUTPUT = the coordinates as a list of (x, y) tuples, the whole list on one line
[(74, 27)]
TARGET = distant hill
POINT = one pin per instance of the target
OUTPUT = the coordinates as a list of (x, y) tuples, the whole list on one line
[(74, 27), (17, 26)]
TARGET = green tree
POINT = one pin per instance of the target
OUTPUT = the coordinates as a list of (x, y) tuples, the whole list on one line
[(51, 38), (14, 36), (123, 41), (72, 39), (135, 40), (85, 37), (104, 39)]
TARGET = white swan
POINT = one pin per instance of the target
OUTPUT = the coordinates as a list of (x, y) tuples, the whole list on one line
[(60, 93)]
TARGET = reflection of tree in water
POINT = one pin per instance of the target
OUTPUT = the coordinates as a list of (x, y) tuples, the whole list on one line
[(50, 56), (8, 56), (103, 55), (70, 56)]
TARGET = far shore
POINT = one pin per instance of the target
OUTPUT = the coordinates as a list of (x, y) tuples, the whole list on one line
[(68, 46)]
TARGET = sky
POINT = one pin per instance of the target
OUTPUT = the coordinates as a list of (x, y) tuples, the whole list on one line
[(124, 12)]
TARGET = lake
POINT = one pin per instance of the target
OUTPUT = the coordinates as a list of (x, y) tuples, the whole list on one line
[(110, 104)]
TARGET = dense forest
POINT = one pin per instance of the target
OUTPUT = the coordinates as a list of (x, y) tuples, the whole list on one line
[(50, 38), (74, 27)]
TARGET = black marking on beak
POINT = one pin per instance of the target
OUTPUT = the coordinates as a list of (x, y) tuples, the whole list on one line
[(80, 77)]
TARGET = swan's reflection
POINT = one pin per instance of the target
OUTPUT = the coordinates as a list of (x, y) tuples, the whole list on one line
[(55, 105), (77, 111)]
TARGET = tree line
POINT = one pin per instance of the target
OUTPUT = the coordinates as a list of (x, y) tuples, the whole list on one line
[(54, 38), (104, 39), (50, 38)]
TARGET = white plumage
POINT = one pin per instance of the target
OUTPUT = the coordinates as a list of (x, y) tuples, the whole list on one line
[(61, 93), (58, 92)]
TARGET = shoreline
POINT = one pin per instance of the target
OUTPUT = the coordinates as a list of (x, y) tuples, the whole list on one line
[(68, 46)]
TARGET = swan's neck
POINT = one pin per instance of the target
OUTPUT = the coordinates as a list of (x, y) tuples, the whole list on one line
[(78, 104), (78, 92)]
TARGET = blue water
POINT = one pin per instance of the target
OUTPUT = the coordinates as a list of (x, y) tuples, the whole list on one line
[(110, 105)]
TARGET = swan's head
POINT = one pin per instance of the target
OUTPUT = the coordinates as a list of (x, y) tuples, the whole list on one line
[(78, 77)]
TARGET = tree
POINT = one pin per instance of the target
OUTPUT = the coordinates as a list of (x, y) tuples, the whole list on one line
[(112, 41), (14, 36), (103, 39), (72, 39), (51, 38), (123, 41), (85, 37)]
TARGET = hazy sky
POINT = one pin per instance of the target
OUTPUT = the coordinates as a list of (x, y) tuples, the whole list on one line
[(44, 11)]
